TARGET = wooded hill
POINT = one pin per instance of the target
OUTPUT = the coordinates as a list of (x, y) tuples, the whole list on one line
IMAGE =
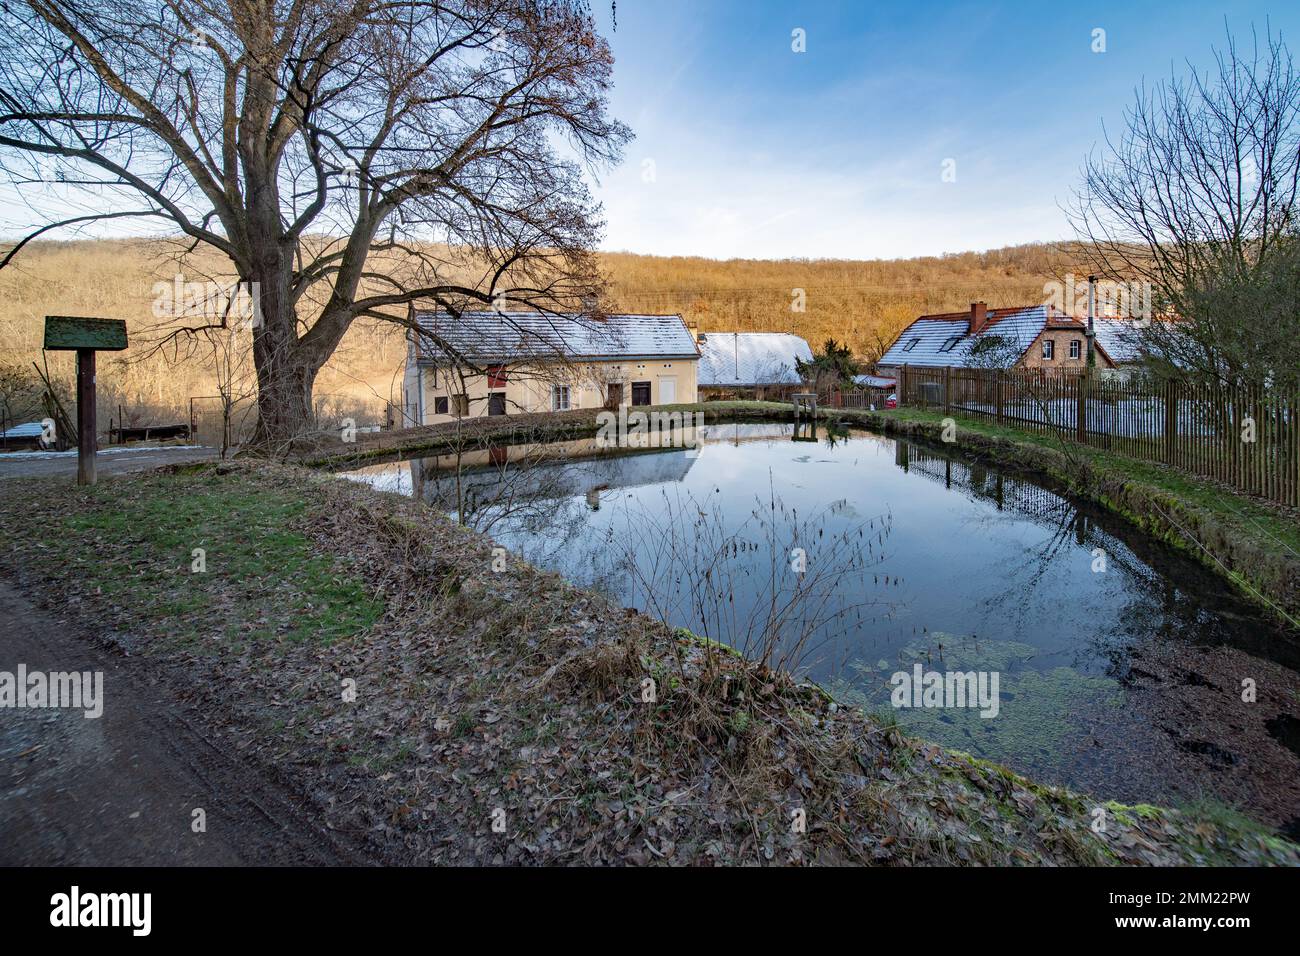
[(864, 303)]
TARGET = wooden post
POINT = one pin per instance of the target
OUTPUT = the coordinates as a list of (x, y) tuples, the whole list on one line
[(1171, 422), (947, 389), (902, 386), (85, 336), (1081, 388), (86, 444), (997, 390)]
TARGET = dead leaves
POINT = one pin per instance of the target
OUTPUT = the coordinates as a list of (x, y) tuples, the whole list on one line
[(513, 696)]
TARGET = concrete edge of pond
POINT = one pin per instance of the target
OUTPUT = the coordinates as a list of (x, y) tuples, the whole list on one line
[(444, 438)]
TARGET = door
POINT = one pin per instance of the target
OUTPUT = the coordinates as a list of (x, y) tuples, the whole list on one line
[(496, 403), (667, 390)]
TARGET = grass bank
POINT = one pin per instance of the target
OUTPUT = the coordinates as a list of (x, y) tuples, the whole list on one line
[(443, 711)]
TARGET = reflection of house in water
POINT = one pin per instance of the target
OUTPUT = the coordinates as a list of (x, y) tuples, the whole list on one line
[(738, 433), (523, 474), (1178, 594)]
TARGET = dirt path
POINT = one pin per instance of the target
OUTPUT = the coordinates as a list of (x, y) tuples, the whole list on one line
[(121, 789)]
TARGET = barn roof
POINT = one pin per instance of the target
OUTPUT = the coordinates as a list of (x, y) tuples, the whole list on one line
[(487, 337), (874, 381), (742, 359)]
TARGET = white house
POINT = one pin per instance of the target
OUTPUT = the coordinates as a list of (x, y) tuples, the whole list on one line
[(506, 363)]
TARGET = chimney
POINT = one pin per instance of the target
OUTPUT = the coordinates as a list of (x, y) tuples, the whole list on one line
[(979, 317)]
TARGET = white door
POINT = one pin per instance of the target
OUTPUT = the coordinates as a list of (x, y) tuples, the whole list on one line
[(667, 390)]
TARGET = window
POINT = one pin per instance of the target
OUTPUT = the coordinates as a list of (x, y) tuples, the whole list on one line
[(614, 395), (497, 376), (950, 343), (640, 393), (1049, 350), (496, 403), (559, 398), (440, 405), (913, 343), (1076, 348), (460, 405)]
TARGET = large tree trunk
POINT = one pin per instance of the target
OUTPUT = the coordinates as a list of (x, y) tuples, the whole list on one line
[(286, 367), (284, 402)]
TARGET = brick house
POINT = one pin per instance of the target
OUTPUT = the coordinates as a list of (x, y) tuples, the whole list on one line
[(1035, 337)]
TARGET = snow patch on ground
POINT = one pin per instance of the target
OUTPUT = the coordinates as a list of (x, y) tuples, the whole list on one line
[(119, 450)]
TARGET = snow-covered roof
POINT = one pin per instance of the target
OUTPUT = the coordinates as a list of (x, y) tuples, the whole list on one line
[(29, 430), (486, 337), (1121, 339), (750, 358), (939, 340)]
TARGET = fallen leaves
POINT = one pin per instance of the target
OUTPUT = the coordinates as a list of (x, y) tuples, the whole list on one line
[(480, 694)]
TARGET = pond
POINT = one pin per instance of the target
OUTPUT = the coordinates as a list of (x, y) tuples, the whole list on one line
[(854, 558)]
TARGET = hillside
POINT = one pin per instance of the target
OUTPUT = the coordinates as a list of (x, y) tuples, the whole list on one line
[(863, 302)]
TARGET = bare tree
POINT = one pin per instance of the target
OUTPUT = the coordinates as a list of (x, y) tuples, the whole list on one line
[(348, 156), (1197, 196), (236, 381), (781, 589)]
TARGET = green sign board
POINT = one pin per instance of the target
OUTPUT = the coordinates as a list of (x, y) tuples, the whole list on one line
[(70, 332)]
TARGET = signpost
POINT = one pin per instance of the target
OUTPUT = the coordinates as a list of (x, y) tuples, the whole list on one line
[(67, 333)]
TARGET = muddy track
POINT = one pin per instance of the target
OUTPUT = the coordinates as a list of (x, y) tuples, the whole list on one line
[(121, 789)]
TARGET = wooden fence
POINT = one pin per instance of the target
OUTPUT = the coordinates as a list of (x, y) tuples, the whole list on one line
[(1246, 438)]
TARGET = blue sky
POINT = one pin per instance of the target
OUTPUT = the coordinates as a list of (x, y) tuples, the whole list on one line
[(747, 149)]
